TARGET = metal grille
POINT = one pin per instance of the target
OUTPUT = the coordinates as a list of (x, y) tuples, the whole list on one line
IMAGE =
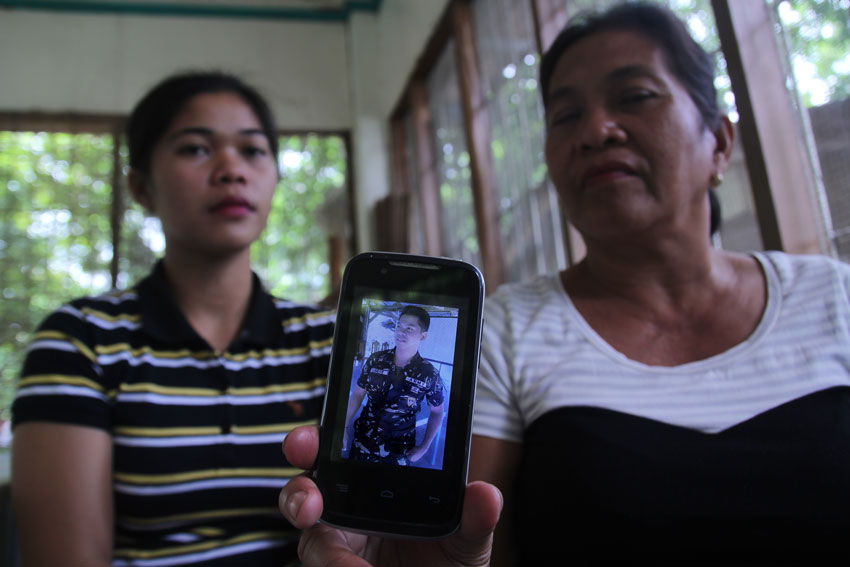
[(831, 129), (529, 218), (457, 216)]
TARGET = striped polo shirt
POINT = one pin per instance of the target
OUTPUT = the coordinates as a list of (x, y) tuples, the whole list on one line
[(197, 464)]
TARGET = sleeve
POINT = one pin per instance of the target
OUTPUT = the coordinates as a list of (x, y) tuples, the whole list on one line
[(61, 380), (437, 392), (363, 379), (496, 413)]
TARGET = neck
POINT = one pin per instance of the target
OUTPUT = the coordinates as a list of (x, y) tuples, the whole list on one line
[(670, 274), (213, 294), (403, 357)]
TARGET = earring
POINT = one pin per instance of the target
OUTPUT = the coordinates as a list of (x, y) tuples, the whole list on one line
[(716, 179)]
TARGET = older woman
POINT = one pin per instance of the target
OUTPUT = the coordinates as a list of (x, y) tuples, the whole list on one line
[(662, 399)]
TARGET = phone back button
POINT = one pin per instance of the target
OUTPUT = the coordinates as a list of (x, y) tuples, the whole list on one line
[(435, 500)]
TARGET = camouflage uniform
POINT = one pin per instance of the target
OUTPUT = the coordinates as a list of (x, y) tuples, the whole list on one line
[(386, 428)]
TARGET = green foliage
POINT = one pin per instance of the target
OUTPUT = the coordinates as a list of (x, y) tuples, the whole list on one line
[(55, 235), (818, 33), (292, 255), (56, 238), (460, 238)]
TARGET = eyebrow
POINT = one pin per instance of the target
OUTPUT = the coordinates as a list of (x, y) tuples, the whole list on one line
[(207, 132), (629, 71)]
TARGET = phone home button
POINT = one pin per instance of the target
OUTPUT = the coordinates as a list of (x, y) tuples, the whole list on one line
[(387, 494)]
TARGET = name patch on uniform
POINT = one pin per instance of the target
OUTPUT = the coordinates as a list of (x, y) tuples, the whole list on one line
[(420, 383)]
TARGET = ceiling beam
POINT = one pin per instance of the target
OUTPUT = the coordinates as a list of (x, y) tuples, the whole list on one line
[(235, 9)]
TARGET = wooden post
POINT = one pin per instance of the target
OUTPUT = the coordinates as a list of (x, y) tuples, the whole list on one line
[(477, 127), (771, 133), (428, 186)]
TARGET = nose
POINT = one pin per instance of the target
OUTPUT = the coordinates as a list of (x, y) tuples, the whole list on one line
[(229, 167), (599, 129)]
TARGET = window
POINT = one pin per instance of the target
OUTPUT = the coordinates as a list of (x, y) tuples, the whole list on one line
[(68, 227), (815, 38), (768, 198), (528, 214), (56, 239), (291, 256), (458, 223), (416, 232)]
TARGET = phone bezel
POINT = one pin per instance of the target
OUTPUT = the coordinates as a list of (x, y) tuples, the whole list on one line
[(409, 276)]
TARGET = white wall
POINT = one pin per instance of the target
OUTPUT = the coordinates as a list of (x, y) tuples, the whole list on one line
[(54, 61), (324, 76), (383, 50)]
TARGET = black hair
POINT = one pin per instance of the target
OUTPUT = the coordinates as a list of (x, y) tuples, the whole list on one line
[(688, 62), (419, 313), (156, 111), (716, 211)]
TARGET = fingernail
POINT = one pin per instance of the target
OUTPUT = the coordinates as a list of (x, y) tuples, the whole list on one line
[(293, 505)]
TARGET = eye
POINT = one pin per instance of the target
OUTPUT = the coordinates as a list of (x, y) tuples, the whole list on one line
[(636, 96), (190, 149), (564, 116), (253, 151)]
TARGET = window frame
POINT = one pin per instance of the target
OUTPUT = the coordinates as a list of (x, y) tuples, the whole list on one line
[(339, 245), (783, 184)]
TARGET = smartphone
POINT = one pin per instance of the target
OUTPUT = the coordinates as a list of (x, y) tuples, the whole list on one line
[(396, 423)]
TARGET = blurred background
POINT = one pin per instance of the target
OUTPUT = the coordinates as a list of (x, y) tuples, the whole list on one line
[(408, 125)]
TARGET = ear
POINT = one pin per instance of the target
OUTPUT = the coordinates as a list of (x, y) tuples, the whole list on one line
[(424, 336), (724, 136), (140, 189)]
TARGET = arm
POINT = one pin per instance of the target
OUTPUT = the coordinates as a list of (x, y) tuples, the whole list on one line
[(62, 494), (354, 403), (435, 419), (496, 462)]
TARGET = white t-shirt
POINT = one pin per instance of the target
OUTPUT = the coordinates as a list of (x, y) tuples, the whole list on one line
[(539, 354)]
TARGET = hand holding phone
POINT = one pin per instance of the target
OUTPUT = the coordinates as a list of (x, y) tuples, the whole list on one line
[(398, 409), (324, 546)]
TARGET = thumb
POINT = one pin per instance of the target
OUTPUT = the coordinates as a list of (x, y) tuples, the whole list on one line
[(473, 542)]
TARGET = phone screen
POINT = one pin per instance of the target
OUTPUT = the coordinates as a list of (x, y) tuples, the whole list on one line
[(396, 426), (402, 400)]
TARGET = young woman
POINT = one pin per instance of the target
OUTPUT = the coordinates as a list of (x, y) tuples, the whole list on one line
[(148, 422)]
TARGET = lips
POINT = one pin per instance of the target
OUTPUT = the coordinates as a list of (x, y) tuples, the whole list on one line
[(232, 206), (609, 171)]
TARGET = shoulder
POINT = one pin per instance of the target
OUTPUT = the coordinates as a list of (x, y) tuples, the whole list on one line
[(518, 306), (427, 368), (115, 309), (527, 292), (298, 316), (805, 273), (287, 309), (380, 355)]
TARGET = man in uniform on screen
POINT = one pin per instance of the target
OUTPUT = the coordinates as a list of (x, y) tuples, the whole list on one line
[(396, 381)]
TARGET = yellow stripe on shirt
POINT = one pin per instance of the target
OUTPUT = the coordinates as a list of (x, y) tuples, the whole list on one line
[(152, 479)]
